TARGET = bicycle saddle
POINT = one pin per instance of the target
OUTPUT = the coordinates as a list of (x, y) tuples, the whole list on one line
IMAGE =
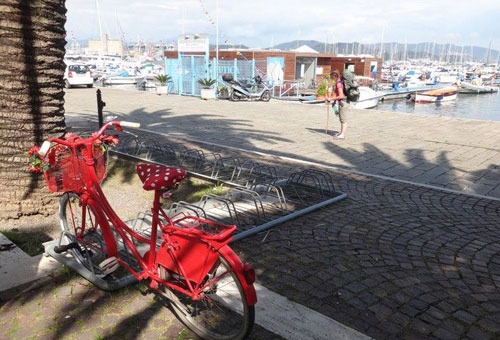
[(159, 177)]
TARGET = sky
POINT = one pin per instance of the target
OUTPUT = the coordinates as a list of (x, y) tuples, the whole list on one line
[(258, 23)]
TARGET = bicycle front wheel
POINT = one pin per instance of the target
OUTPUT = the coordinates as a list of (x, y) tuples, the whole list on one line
[(79, 225), (222, 313)]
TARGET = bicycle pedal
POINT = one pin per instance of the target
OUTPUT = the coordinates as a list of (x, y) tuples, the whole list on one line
[(109, 265)]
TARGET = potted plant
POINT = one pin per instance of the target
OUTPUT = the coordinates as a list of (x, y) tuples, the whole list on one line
[(322, 89), (163, 79), (223, 92), (207, 90)]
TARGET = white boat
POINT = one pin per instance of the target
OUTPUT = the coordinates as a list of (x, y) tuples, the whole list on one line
[(403, 92), (475, 88), (368, 97), (121, 77), (445, 94), (118, 80)]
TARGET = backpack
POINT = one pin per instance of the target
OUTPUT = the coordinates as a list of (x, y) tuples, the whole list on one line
[(351, 86)]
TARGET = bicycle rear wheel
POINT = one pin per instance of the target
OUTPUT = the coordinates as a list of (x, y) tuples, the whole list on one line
[(221, 313), (91, 249)]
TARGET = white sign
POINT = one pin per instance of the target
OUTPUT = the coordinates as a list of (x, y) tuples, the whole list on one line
[(193, 43)]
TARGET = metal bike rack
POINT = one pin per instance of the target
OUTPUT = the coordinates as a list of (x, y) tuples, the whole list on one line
[(258, 196), (258, 199)]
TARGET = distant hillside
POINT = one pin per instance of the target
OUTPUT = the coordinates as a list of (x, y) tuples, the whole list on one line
[(397, 50)]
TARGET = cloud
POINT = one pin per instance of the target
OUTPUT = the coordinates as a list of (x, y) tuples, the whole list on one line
[(257, 22)]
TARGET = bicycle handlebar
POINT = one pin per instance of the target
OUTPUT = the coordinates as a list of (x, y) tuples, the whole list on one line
[(118, 125), (46, 145), (131, 124)]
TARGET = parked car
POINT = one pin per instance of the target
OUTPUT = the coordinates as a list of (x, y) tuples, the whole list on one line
[(78, 74)]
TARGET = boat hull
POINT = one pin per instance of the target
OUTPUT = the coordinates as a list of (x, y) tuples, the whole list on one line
[(435, 96), (120, 81), (366, 104), (421, 98), (475, 89)]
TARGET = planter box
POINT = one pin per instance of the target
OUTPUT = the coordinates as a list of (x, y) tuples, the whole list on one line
[(207, 94), (162, 89), (320, 97)]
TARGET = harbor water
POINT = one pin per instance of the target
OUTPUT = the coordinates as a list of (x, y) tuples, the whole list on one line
[(472, 106)]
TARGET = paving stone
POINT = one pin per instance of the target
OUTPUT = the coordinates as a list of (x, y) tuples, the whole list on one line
[(477, 334), (355, 287), (465, 316), (381, 311), (489, 325), (444, 334)]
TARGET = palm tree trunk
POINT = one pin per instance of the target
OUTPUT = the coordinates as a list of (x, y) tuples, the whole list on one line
[(32, 40)]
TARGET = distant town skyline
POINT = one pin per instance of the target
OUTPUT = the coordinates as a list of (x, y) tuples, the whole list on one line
[(268, 23)]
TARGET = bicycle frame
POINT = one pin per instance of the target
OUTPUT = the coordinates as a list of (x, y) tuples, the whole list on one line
[(91, 195)]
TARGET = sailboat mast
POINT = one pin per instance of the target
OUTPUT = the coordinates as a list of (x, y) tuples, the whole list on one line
[(382, 43), (498, 57), (406, 49), (488, 55), (100, 24)]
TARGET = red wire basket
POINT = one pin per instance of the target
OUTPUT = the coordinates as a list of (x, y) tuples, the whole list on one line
[(67, 170)]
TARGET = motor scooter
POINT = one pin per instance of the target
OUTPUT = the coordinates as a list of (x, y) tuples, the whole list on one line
[(240, 90)]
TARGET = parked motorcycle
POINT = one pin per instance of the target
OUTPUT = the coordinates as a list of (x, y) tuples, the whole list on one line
[(241, 90)]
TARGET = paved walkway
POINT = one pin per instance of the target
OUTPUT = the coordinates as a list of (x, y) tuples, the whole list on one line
[(69, 307), (446, 152), (393, 260)]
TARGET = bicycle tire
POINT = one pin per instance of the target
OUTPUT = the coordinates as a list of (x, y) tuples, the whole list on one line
[(91, 246), (234, 325)]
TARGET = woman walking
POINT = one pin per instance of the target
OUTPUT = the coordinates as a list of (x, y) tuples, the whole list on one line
[(336, 95)]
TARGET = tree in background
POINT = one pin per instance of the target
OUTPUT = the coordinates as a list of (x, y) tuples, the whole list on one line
[(32, 41)]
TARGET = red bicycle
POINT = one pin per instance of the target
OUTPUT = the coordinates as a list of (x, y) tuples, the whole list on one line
[(187, 259)]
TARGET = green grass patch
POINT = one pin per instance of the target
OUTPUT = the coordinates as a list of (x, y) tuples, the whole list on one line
[(202, 189), (52, 328), (97, 336), (81, 324), (67, 272), (120, 171), (11, 331), (182, 335), (28, 240)]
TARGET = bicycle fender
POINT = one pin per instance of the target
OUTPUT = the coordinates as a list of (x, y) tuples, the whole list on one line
[(237, 265)]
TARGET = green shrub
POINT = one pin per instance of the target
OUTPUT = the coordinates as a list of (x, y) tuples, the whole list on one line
[(163, 79), (206, 83)]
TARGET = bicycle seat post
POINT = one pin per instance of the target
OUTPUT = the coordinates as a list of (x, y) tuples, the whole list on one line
[(154, 227)]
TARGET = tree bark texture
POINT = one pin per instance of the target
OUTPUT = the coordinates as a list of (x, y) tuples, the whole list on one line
[(32, 42)]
